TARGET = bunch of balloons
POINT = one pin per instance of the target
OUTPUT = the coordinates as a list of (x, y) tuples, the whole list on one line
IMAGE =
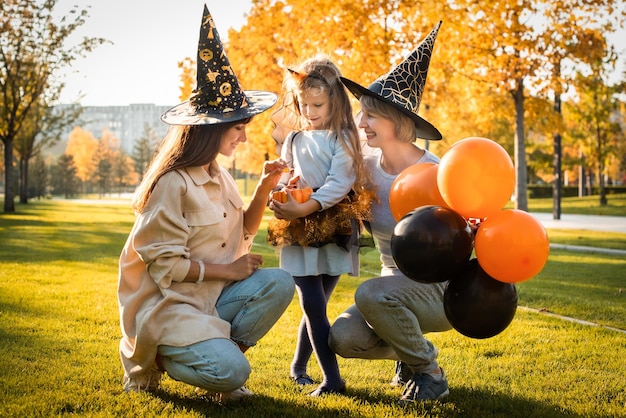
[(434, 206)]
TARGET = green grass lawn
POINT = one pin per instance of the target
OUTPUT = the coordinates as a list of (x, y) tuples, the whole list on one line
[(586, 205), (59, 332)]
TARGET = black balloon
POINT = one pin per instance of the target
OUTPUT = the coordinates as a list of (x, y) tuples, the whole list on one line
[(431, 244), (477, 305)]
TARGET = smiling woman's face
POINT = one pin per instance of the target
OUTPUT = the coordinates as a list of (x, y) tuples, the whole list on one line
[(231, 138)]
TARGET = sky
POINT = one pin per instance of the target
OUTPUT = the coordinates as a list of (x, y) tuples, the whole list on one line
[(149, 38)]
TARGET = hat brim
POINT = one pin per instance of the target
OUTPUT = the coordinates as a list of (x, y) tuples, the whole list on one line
[(184, 114), (423, 128)]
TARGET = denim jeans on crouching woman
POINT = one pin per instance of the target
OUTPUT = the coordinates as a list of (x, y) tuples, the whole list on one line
[(252, 306)]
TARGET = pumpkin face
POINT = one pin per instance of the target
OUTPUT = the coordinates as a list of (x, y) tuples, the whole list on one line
[(301, 195)]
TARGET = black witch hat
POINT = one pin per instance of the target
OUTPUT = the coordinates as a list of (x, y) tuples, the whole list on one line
[(403, 86), (218, 96)]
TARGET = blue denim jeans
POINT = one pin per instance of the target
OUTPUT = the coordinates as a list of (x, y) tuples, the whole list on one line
[(252, 306), (388, 321)]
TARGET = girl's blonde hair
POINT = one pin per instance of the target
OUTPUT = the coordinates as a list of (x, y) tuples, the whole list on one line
[(404, 127), (182, 146), (320, 73)]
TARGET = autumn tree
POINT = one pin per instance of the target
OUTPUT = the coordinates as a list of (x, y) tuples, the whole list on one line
[(82, 146), (123, 171), (594, 123), (490, 74), (33, 49), (143, 150), (41, 128), (362, 37), (64, 177), (103, 161), (513, 46), (38, 173), (187, 77), (573, 40)]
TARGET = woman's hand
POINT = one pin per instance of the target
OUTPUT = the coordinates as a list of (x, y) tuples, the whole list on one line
[(272, 171), (244, 266)]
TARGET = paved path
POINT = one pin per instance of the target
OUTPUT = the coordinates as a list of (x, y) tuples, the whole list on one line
[(595, 223)]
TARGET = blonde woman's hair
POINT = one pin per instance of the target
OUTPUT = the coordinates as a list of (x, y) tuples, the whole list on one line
[(404, 127), (320, 73), (182, 146)]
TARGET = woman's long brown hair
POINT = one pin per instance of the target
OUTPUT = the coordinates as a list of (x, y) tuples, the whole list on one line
[(182, 146)]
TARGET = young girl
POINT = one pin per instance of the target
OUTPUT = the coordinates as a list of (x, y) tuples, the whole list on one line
[(325, 155)]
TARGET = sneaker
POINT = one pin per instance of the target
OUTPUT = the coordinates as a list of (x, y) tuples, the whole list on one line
[(403, 374), (302, 379), (222, 397), (323, 390), (147, 382), (423, 387)]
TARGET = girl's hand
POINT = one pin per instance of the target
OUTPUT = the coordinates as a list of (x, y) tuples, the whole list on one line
[(289, 210), (293, 209), (293, 182)]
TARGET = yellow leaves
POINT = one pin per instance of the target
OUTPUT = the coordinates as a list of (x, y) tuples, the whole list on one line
[(82, 146), (187, 77), (484, 50)]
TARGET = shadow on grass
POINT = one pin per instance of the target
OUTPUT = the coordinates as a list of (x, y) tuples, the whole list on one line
[(42, 241), (462, 402)]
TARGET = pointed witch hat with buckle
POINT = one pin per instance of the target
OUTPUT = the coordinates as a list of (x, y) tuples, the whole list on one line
[(403, 86), (218, 96)]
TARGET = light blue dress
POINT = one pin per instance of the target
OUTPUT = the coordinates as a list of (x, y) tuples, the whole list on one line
[(322, 163)]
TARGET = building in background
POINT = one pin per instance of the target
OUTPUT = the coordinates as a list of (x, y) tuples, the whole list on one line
[(127, 123)]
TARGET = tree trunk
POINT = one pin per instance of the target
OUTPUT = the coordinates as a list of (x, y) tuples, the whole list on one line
[(601, 189), (581, 175), (557, 184), (9, 193), (23, 180), (521, 200)]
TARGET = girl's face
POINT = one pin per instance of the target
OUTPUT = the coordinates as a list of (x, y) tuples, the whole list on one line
[(378, 130), (315, 107), (231, 138)]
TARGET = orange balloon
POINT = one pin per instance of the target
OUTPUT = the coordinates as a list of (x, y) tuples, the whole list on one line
[(414, 187), (512, 246), (476, 177)]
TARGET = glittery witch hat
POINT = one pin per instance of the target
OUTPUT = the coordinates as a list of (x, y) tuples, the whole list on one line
[(218, 97), (403, 86)]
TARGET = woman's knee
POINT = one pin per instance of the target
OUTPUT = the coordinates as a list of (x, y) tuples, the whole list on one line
[(231, 374), (335, 342), (368, 296), (340, 336), (281, 284), (216, 364)]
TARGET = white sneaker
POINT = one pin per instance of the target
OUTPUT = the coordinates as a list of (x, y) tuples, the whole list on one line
[(147, 382), (237, 394), (221, 397)]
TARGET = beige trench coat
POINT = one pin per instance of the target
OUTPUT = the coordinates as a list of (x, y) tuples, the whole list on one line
[(190, 215)]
